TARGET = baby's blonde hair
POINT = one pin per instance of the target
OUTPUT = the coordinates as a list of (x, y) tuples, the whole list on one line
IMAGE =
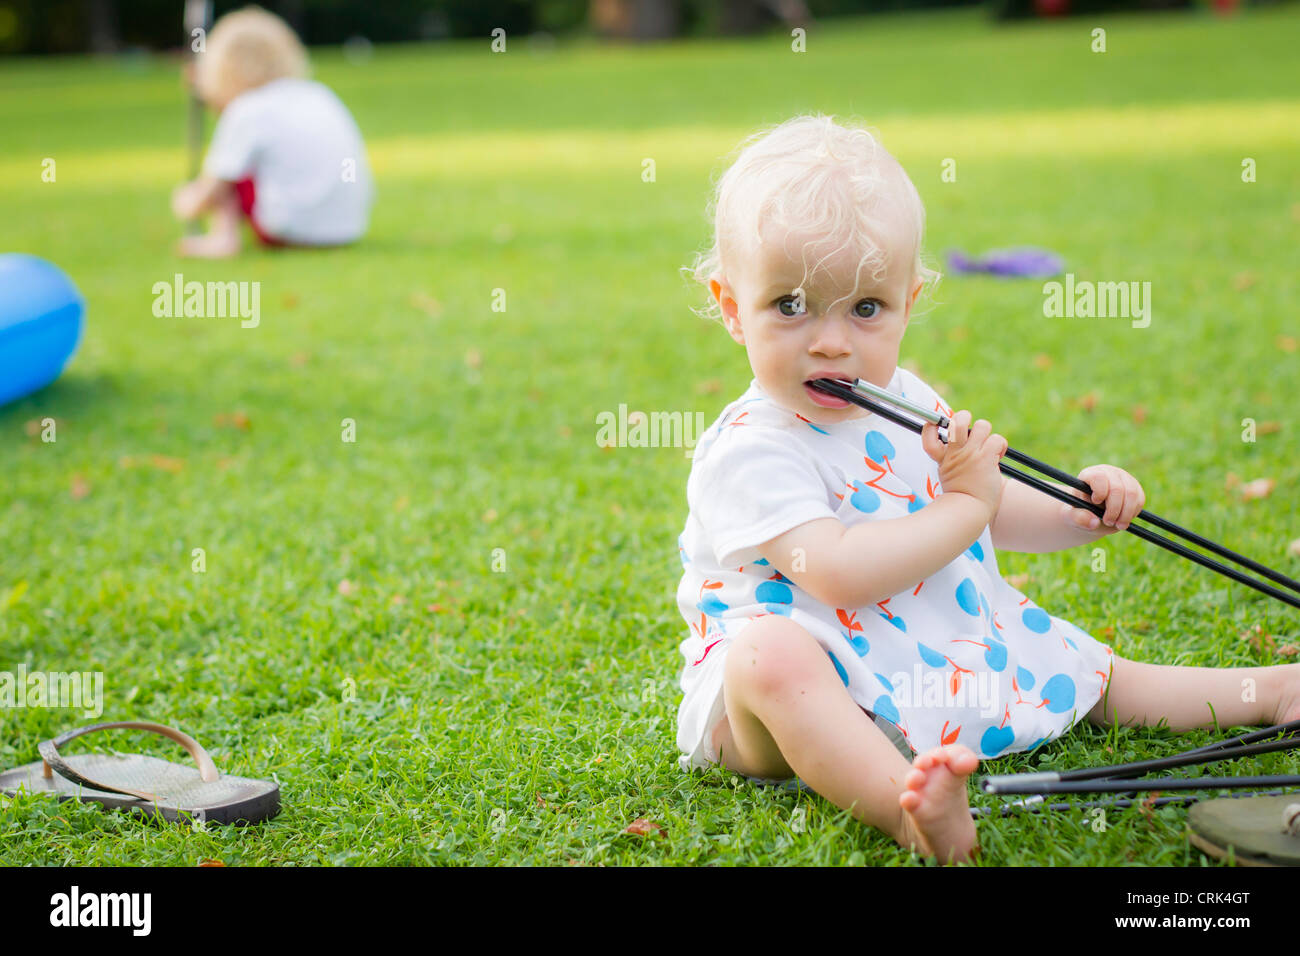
[(811, 174), (244, 50)]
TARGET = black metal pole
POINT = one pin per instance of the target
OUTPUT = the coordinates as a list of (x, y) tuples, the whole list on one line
[(840, 390)]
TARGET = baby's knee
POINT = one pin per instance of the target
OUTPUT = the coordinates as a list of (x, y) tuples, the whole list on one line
[(773, 654)]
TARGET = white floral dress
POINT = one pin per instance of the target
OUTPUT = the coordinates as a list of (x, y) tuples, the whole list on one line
[(959, 657)]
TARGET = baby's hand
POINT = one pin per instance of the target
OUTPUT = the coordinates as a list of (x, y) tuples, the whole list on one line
[(969, 461), (1120, 491)]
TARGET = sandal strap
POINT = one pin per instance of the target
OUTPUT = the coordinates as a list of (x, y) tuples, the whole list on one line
[(49, 750)]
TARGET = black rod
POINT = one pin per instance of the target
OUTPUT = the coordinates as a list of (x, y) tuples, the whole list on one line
[(840, 390)]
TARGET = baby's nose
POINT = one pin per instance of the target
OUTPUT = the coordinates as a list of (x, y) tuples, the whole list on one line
[(830, 339)]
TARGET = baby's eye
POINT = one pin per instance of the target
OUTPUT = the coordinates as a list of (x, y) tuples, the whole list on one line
[(868, 308), (794, 302)]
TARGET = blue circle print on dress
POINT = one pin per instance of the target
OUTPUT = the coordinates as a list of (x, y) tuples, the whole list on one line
[(968, 597), (915, 503), (858, 643), (996, 739), (773, 592), (1024, 679), (1058, 693), (1037, 620), (885, 707), (782, 609), (931, 657), (885, 680), (879, 447), (864, 498), (839, 668), (711, 605), (976, 552), (996, 656), (897, 621)]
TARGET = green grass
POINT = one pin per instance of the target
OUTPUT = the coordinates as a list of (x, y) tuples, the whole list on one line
[(528, 716)]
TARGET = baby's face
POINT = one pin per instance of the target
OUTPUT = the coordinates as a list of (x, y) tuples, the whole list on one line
[(789, 346)]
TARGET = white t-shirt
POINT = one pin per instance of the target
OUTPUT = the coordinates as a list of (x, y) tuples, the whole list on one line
[(959, 657), (299, 144)]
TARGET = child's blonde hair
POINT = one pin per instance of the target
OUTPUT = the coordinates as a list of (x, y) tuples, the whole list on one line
[(813, 175), (244, 50)]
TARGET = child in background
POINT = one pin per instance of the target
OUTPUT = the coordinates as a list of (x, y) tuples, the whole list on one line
[(286, 153), (841, 583)]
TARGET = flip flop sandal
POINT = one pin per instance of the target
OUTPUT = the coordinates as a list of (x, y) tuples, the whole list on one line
[(1253, 827), (145, 784)]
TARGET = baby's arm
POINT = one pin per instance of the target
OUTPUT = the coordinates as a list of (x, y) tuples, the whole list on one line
[(191, 200), (858, 565), (1031, 521)]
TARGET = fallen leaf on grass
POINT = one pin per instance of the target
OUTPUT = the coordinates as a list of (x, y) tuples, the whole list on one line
[(1288, 650), (474, 358), (1018, 581), (299, 359), (709, 387), (1259, 488), (80, 487), (1086, 402), (1293, 548), (347, 588), (34, 426), (1287, 343), (1264, 643), (161, 462), (643, 827), (1244, 280), (426, 304), (233, 420), (1139, 414), (1042, 361), (211, 863), (1268, 428)]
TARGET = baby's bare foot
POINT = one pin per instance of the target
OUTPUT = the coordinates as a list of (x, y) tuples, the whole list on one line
[(935, 806), (211, 245)]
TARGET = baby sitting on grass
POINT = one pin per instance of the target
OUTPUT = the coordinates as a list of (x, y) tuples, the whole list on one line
[(841, 586), (286, 153)]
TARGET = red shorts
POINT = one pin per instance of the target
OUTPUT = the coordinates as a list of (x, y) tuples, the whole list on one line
[(247, 193)]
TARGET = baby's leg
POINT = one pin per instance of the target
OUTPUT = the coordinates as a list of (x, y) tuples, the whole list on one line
[(789, 713), (222, 238), (1190, 697)]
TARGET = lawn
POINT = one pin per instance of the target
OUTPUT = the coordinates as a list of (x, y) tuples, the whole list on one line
[(423, 697)]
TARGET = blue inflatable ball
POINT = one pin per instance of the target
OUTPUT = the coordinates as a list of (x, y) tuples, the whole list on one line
[(40, 324)]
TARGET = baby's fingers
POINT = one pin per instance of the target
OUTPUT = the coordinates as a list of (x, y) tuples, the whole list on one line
[(931, 443)]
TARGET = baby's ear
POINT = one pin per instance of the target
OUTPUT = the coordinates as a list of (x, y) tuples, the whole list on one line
[(727, 303), (916, 290)]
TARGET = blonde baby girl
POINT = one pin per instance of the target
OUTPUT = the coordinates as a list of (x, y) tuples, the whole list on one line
[(848, 623)]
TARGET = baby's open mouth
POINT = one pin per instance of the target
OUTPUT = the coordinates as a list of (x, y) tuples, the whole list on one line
[(824, 399)]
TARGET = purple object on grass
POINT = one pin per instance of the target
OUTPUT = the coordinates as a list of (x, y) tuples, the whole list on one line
[(1023, 262)]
